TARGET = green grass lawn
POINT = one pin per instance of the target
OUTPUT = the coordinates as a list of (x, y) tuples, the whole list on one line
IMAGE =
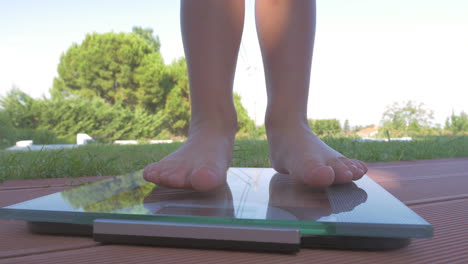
[(95, 160)]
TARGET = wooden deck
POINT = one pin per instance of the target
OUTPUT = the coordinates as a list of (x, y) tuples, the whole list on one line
[(436, 189)]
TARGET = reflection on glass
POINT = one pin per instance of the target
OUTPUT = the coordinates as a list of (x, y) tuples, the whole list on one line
[(292, 201), (252, 196), (131, 194), (275, 197), (120, 193), (166, 201)]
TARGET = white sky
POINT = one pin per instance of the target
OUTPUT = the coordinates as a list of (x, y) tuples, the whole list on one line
[(368, 53)]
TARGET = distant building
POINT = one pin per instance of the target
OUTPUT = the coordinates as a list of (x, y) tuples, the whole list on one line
[(368, 132)]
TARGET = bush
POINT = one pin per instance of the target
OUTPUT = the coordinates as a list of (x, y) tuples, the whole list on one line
[(326, 127), (9, 134), (49, 121), (259, 132), (7, 131), (245, 123), (165, 134), (38, 136), (20, 108)]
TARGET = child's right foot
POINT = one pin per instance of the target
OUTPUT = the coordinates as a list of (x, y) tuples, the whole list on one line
[(202, 162)]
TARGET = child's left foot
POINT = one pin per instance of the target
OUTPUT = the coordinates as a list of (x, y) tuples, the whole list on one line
[(295, 150)]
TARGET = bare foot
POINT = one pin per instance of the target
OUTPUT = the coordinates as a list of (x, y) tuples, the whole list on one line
[(296, 150), (201, 163)]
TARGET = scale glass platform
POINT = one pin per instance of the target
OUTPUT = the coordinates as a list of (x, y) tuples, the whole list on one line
[(258, 209)]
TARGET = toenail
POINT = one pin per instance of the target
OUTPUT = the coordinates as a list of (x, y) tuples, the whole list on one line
[(349, 173)]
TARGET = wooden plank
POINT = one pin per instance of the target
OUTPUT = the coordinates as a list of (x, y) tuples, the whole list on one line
[(430, 180), (16, 240)]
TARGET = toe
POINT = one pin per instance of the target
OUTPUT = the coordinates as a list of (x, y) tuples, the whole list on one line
[(151, 173), (322, 176), (313, 173), (206, 179), (343, 173), (363, 169), (354, 167), (165, 173), (178, 178), (363, 166), (357, 167)]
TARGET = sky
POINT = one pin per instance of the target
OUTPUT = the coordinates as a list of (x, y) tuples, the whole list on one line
[(368, 53)]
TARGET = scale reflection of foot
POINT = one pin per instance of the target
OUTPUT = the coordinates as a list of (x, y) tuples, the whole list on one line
[(292, 201), (179, 202)]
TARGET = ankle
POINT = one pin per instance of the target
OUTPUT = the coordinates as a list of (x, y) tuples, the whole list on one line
[(280, 120), (214, 122)]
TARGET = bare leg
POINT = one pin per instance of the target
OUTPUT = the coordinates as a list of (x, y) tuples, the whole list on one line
[(286, 32), (211, 31)]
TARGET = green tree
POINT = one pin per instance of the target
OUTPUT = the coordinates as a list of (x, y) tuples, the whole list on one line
[(407, 118), (457, 124), (147, 35), (177, 108), (176, 119), (20, 108), (346, 128), (114, 66), (111, 86), (151, 93)]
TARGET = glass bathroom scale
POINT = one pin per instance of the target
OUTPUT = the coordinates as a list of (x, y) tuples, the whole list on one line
[(258, 209)]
